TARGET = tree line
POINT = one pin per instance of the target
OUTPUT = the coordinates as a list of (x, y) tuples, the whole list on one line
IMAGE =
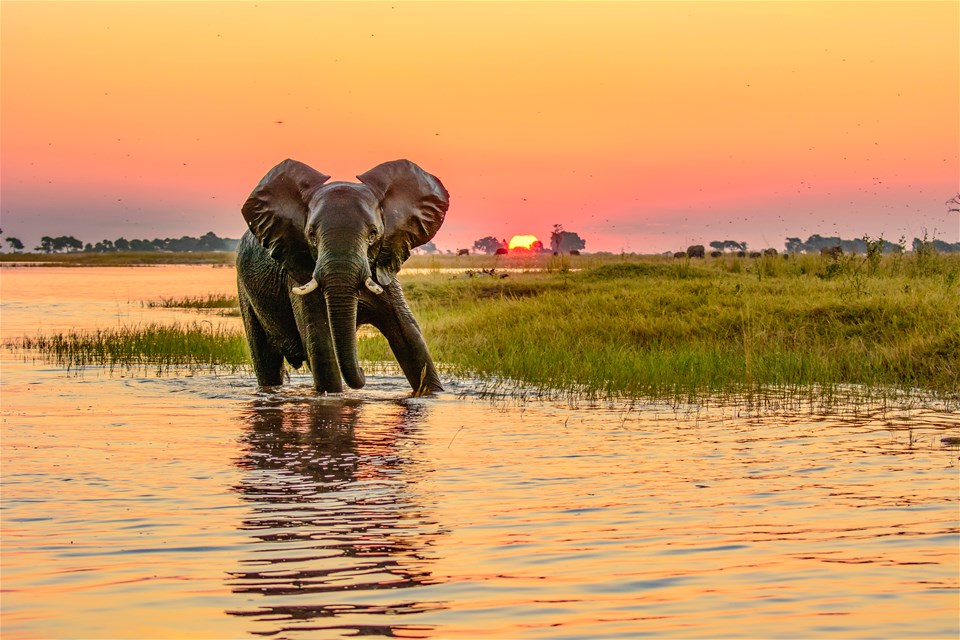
[(817, 244), (185, 244), (560, 242)]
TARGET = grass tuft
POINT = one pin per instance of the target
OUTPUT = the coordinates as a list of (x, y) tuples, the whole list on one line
[(210, 301)]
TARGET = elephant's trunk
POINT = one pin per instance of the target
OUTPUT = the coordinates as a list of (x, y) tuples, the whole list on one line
[(342, 313)]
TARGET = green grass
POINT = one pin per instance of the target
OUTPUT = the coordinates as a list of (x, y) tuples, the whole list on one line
[(645, 327), (153, 346), (684, 328)]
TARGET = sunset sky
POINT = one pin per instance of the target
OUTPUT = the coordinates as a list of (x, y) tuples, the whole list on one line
[(642, 126)]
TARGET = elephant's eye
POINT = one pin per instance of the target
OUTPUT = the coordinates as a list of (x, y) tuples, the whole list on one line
[(373, 235), (312, 237)]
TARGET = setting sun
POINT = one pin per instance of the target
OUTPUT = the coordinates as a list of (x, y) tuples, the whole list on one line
[(524, 243)]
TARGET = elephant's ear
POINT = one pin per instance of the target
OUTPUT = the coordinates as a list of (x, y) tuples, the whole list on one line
[(276, 213), (413, 203)]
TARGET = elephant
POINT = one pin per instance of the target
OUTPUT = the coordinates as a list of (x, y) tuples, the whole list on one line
[(695, 251), (319, 260)]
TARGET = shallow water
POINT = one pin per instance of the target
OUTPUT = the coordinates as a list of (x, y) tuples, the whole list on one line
[(200, 506)]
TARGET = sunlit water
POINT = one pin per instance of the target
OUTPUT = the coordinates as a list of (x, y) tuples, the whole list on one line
[(137, 506)]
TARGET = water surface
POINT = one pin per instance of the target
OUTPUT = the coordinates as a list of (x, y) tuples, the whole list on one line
[(137, 506)]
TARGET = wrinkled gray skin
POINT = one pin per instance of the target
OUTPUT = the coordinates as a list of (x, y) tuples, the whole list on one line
[(351, 239)]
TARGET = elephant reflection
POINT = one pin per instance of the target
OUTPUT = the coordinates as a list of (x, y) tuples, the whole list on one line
[(330, 514)]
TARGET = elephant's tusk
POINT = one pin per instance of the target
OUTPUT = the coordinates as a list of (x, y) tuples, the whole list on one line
[(373, 286), (307, 288)]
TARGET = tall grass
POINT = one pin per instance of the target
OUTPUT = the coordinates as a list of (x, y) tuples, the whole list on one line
[(152, 346), (682, 328)]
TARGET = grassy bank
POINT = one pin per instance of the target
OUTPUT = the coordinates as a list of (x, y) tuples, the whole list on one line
[(656, 327), (669, 328)]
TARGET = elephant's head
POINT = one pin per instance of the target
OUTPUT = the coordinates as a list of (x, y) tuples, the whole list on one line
[(342, 236)]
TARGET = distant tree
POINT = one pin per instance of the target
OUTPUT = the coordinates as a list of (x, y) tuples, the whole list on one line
[(59, 244), (489, 245), (46, 245), (15, 244), (428, 248), (210, 242), (142, 245), (121, 244), (565, 241), (69, 243), (718, 245)]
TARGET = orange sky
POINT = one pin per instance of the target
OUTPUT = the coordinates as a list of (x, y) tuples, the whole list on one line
[(642, 126)]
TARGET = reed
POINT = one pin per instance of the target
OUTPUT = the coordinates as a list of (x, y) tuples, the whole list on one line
[(209, 301)]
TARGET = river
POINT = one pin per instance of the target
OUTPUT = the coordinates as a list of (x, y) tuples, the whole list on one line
[(197, 505)]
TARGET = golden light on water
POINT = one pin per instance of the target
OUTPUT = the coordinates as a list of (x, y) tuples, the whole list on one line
[(523, 243)]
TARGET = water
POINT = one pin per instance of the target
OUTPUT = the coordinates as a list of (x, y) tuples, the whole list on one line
[(199, 506)]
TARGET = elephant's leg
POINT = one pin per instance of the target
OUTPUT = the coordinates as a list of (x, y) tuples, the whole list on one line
[(311, 315), (403, 334), (267, 361), (326, 375)]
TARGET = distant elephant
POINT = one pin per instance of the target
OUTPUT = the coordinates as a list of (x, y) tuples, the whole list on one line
[(347, 241), (716, 254), (463, 252), (679, 254), (696, 251), (770, 252), (833, 253)]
